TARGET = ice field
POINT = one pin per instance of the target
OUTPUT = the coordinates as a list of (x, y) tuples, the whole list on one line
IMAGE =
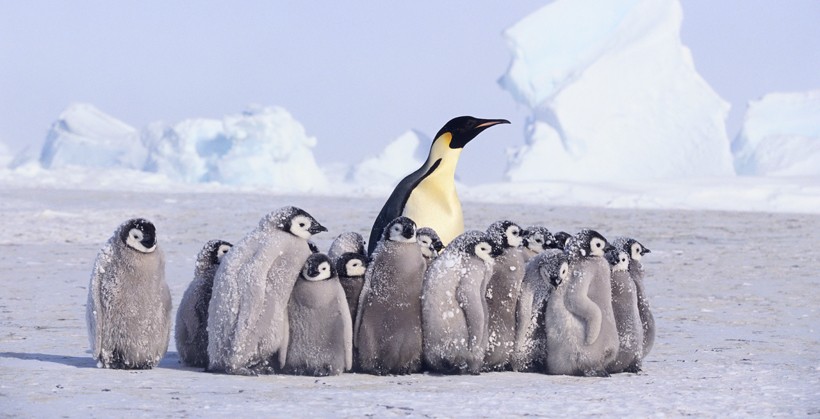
[(734, 295)]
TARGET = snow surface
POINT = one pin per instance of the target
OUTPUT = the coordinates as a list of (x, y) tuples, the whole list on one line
[(780, 136), (737, 326), (614, 94)]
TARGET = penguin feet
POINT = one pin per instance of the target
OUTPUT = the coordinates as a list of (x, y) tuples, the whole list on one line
[(596, 373)]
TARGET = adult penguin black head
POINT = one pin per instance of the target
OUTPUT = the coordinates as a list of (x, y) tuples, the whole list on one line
[(463, 129), (428, 195)]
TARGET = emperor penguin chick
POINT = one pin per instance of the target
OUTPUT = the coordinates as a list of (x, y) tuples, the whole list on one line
[(538, 239), (321, 332), (388, 323), (561, 239), (582, 338), (636, 251), (502, 294), (454, 308), (351, 268), (248, 315), (627, 316), (543, 274), (430, 243), (191, 332), (129, 304), (344, 243)]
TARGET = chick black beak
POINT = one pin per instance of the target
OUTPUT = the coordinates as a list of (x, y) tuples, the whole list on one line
[(645, 251), (408, 231), (316, 228)]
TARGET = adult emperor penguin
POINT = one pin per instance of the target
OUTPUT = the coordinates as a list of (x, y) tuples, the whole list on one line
[(129, 303), (454, 309), (502, 294), (321, 332), (543, 274), (627, 316), (582, 338), (388, 335), (636, 251), (248, 317), (191, 332), (428, 195), (351, 267)]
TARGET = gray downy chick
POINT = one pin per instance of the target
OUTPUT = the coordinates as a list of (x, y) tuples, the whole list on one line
[(129, 304)]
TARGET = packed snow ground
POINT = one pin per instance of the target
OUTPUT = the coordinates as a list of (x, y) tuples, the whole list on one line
[(734, 295)]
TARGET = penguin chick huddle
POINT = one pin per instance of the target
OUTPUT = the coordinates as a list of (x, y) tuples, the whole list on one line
[(503, 299)]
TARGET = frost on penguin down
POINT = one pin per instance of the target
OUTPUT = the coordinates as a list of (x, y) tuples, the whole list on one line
[(612, 91), (780, 136), (259, 147), (392, 164), (85, 136)]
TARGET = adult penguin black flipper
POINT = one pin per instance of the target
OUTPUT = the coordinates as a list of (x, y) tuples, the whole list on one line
[(428, 195)]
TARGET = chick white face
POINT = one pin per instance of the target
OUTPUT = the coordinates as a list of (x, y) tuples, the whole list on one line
[(355, 267), (623, 262), (597, 246), (399, 233), (426, 244), (636, 251), (563, 273), (536, 243), (514, 237), (220, 252), (138, 241), (484, 251), (300, 226), (320, 273)]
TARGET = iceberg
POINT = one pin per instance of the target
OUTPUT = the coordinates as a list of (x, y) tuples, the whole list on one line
[(84, 136), (614, 95), (780, 136), (262, 146), (397, 160)]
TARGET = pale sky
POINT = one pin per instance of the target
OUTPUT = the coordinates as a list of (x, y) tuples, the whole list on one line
[(355, 74)]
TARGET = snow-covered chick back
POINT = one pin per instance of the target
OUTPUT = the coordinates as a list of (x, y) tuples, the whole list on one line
[(346, 242), (247, 318), (543, 273), (582, 338), (636, 251), (129, 303), (191, 331), (388, 335), (502, 293), (320, 329), (627, 315), (454, 309)]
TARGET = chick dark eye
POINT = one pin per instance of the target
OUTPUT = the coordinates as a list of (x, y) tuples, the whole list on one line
[(597, 244), (538, 240), (301, 224)]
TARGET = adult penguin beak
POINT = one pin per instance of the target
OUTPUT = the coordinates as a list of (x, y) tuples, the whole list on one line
[(486, 123)]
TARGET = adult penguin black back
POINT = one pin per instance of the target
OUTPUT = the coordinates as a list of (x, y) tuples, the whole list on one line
[(428, 195)]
